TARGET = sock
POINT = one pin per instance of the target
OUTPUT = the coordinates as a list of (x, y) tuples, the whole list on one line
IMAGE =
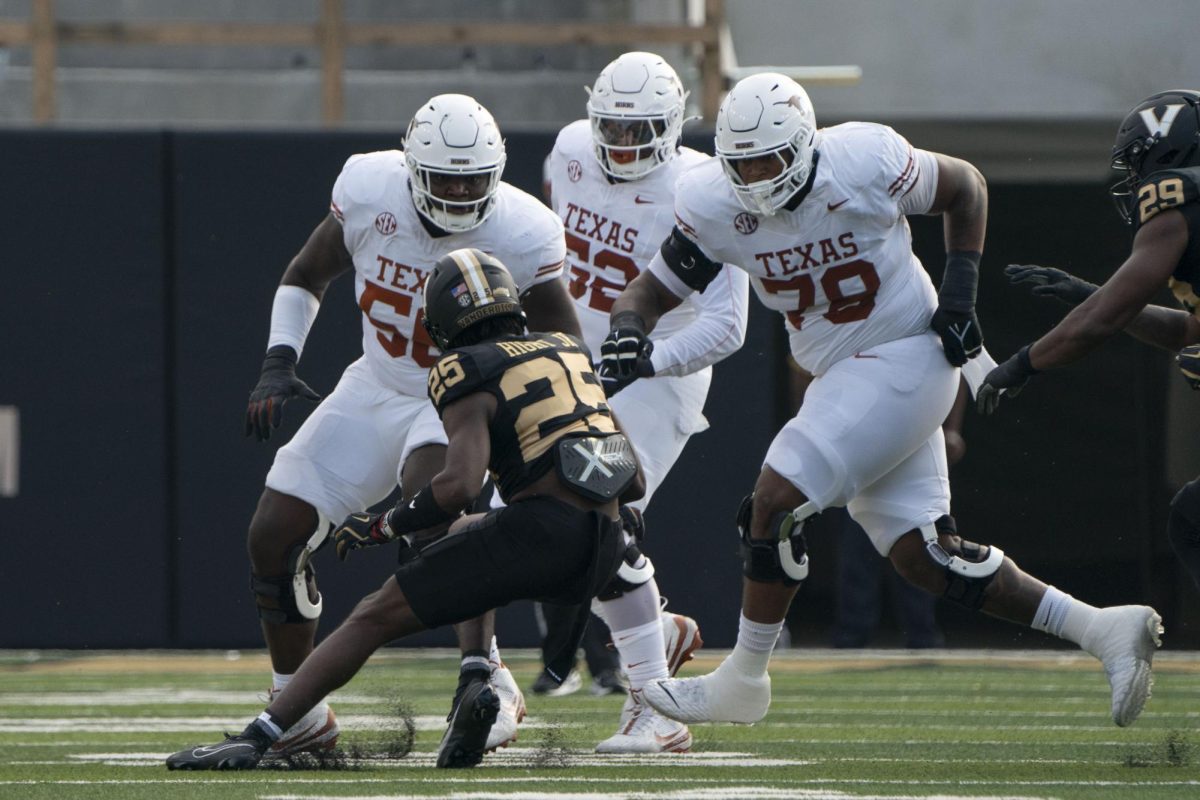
[(279, 682), (494, 656), (1063, 616), (268, 726), (636, 607), (643, 654), (755, 642), (476, 659)]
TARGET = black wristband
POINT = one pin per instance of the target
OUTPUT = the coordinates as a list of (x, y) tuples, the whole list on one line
[(628, 319), (281, 352), (419, 513), (960, 281), (1024, 362)]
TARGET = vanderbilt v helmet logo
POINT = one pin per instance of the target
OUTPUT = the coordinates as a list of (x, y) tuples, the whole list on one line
[(1160, 125)]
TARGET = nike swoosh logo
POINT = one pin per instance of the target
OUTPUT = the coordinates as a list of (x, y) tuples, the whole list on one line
[(214, 749), (637, 198), (864, 355), (638, 664), (836, 206)]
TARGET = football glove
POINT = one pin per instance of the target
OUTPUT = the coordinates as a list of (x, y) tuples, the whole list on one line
[(625, 353), (277, 383), (1051, 282), (362, 529), (962, 338), (1189, 364), (1008, 379)]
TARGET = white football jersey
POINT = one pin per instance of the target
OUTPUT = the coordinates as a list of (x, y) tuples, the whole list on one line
[(613, 229), (840, 267), (394, 253)]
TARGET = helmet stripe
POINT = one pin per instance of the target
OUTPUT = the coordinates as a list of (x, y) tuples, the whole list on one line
[(472, 272)]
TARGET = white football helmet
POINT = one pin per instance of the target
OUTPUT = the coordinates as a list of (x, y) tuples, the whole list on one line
[(636, 110), (767, 114), (453, 136)]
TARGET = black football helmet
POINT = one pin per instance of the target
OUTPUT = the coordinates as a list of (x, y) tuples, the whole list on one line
[(1161, 132), (466, 287)]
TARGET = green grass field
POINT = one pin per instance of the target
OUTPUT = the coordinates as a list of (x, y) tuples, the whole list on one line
[(866, 725)]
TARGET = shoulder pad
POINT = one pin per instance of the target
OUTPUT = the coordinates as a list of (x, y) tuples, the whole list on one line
[(455, 375), (1166, 189)]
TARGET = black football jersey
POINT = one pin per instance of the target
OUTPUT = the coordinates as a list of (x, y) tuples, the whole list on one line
[(545, 390), (1177, 188)]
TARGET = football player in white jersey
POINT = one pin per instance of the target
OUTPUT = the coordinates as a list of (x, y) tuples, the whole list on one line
[(817, 217), (393, 214), (612, 180)]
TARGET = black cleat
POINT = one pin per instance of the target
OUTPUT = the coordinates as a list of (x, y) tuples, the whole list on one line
[(243, 751), (470, 723)]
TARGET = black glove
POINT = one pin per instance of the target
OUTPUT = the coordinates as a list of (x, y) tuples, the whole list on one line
[(1011, 377), (615, 383), (362, 529), (277, 383), (1189, 364), (625, 353), (954, 320), (632, 522), (961, 337), (1051, 282)]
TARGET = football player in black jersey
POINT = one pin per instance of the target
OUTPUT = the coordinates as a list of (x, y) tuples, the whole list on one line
[(1158, 150), (527, 408)]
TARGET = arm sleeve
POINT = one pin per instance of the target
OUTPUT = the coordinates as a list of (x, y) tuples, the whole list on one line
[(717, 332), (918, 198)]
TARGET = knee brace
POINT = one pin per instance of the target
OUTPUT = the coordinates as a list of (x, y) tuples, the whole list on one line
[(636, 568), (969, 569), (289, 591), (784, 557)]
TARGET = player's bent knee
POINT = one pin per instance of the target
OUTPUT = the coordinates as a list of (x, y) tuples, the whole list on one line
[(782, 558), (969, 567), (292, 597)]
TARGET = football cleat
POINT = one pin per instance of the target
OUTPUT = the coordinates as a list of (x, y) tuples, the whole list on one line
[(545, 685), (1124, 639), (471, 721), (644, 730), (243, 751), (609, 681), (316, 732), (682, 637), (724, 695), (512, 709)]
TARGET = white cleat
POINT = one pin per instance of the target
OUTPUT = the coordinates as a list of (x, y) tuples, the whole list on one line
[(724, 695), (316, 732), (1124, 639), (643, 730), (682, 637), (512, 709)]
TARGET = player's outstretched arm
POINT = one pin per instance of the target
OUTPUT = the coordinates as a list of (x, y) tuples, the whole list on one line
[(322, 258)]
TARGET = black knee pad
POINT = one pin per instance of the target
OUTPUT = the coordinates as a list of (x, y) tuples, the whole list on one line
[(282, 589), (761, 558)]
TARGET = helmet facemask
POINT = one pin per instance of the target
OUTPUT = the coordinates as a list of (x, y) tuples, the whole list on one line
[(768, 196), (636, 112), (455, 157)]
